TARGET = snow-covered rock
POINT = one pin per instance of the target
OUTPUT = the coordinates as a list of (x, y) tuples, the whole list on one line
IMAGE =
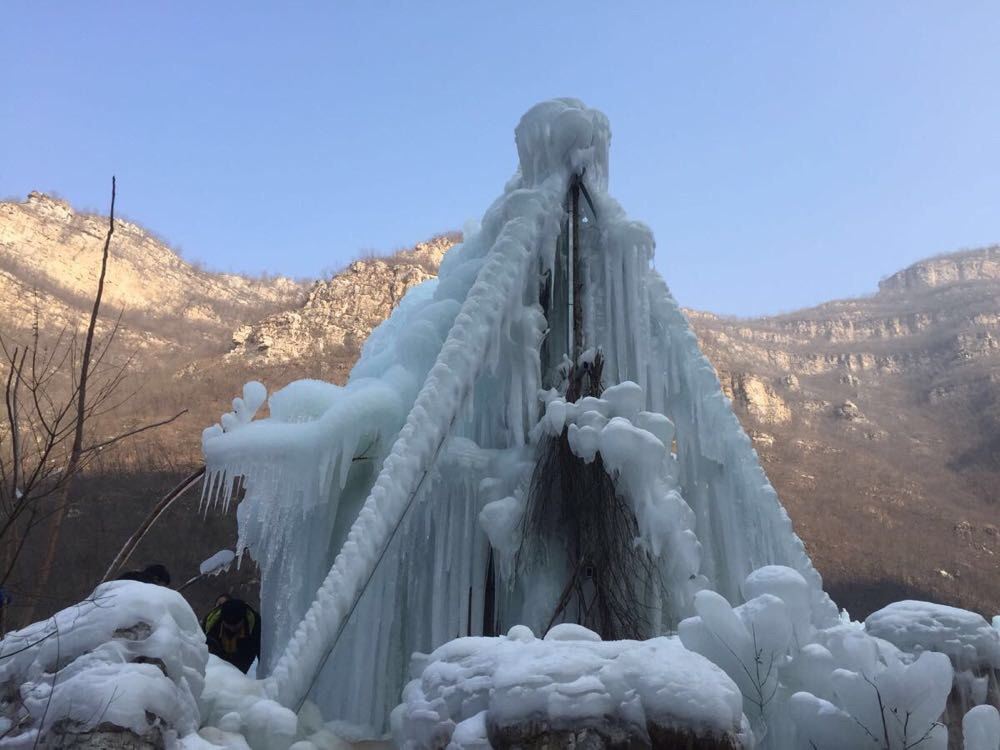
[(913, 626), (518, 690), (130, 658)]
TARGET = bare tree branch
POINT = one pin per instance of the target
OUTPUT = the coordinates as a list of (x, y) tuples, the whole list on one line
[(158, 510), (57, 390), (129, 433)]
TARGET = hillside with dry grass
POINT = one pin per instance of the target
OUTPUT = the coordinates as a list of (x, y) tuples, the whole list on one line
[(878, 421)]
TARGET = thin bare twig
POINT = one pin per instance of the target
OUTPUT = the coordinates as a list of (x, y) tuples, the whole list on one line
[(136, 431), (158, 510)]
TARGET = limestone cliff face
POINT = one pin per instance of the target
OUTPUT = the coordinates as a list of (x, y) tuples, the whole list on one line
[(970, 265), (50, 257), (878, 421), (758, 397), (340, 312)]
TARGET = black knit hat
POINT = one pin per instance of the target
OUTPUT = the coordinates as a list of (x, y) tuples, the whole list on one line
[(157, 574), (233, 611)]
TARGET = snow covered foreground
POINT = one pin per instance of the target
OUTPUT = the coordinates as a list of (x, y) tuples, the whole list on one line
[(132, 657), (900, 680)]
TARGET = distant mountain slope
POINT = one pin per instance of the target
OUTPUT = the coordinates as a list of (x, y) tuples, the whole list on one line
[(339, 313), (877, 418), (50, 260)]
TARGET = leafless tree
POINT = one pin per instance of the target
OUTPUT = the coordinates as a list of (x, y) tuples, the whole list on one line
[(55, 393)]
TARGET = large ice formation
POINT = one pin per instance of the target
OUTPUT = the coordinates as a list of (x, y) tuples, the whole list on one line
[(826, 688), (384, 514)]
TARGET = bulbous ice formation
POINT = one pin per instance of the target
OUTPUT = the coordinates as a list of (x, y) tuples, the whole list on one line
[(561, 137)]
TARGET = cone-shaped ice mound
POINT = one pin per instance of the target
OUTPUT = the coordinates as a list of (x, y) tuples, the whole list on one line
[(403, 510)]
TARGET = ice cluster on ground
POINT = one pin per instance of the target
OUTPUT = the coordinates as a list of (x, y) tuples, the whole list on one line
[(760, 675), (379, 485), (888, 683), (966, 637), (131, 655), (237, 714), (471, 688)]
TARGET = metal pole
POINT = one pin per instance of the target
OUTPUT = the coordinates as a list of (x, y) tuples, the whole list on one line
[(574, 193), (574, 275)]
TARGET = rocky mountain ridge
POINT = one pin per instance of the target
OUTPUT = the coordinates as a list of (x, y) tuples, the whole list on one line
[(876, 418), (982, 264), (50, 260), (340, 312)]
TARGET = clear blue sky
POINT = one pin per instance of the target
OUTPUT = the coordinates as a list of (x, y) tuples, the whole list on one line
[(783, 153)]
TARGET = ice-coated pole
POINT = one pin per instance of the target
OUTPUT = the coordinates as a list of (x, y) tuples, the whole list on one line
[(460, 361)]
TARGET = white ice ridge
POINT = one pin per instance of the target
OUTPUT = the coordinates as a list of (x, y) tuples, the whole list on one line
[(436, 422), (568, 681)]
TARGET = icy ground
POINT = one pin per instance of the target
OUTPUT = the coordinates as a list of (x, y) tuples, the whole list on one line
[(133, 656)]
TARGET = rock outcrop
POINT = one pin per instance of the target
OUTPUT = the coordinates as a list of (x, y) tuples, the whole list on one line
[(340, 312), (757, 397), (969, 265), (50, 258)]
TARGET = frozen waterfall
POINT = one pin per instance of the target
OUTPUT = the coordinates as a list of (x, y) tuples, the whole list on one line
[(385, 514)]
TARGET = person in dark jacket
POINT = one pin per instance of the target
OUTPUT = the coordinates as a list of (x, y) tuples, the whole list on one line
[(155, 574), (232, 630)]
